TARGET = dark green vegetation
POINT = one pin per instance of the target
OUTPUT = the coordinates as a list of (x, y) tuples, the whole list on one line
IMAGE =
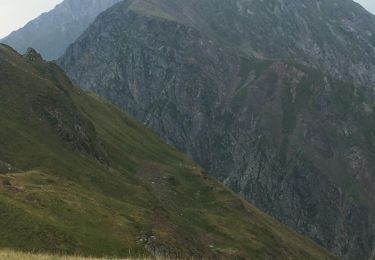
[(78, 176), (271, 97), (52, 32)]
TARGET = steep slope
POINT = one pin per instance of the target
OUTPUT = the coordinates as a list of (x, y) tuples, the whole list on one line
[(52, 32), (335, 36), (78, 176), (289, 127)]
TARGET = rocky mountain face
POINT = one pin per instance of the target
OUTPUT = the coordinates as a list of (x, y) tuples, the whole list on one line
[(273, 98), (80, 177), (52, 32)]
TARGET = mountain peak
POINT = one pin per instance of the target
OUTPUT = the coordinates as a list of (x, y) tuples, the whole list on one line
[(267, 96), (62, 26)]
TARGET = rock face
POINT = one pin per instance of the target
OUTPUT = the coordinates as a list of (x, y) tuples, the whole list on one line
[(78, 176), (52, 32), (273, 98)]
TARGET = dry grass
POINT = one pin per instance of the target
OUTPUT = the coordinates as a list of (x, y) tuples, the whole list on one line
[(10, 255)]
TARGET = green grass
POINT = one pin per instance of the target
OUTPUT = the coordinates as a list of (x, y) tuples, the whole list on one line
[(79, 177), (11, 255)]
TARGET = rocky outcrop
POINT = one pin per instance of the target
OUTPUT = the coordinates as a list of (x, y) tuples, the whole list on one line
[(287, 126), (52, 32)]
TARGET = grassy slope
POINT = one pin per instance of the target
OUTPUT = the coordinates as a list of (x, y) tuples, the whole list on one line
[(11, 255), (77, 176)]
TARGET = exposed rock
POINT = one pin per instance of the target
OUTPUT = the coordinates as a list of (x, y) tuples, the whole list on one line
[(32, 55), (270, 97)]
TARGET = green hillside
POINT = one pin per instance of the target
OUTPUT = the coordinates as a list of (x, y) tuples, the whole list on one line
[(77, 176), (10, 255)]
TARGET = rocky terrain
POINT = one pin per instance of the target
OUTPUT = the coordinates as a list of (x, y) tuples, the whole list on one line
[(79, 177), (273, 98), (52, 32)]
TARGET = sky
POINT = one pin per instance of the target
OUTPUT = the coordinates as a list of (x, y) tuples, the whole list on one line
[(14, 14), (368, 4)]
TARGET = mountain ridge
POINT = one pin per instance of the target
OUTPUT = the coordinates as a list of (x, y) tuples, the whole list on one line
[(52, 32), (288, 134)]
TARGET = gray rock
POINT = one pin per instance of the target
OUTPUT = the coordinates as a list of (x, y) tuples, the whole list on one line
[(270, 97)]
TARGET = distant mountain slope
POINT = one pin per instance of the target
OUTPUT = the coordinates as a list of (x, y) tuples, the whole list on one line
[(337, 36), (52, 32), (274, 98), (78, 176)]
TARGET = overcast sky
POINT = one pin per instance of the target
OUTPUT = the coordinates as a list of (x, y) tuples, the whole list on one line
[(369, 4), (16, 13)]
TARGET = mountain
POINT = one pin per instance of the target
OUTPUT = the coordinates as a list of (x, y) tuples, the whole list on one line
[(52, 32), (78, 176), (273, 98)]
